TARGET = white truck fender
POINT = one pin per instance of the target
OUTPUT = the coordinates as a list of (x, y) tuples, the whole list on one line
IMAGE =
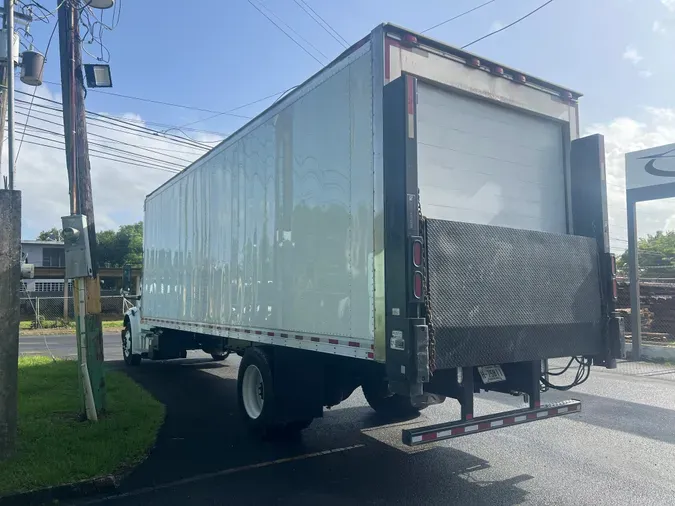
[(132, 319)]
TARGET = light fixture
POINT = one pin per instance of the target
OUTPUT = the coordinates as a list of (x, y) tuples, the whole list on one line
[(98, 75), (101, 4)]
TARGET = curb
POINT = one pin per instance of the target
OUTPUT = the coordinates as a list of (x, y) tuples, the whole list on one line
[(652, 352), (62, 492)]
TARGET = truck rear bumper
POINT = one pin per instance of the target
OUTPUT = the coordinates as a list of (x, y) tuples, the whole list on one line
[(439, 432)]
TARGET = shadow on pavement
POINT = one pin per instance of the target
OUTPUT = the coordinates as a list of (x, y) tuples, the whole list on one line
[(203, 433)]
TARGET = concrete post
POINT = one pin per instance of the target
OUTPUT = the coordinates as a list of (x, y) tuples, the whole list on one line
[(10, 283)]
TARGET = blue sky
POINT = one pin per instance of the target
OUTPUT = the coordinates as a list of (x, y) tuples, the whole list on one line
[(220, 54)]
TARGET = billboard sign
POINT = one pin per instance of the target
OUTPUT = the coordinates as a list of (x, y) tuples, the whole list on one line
[(650, 167)]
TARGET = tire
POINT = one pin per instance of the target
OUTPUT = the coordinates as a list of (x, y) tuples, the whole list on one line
[(131, 359), (257, 399), (219, 357), (386, 404)]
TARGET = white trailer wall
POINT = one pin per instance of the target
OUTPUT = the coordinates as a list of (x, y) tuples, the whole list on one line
[(274, 228)]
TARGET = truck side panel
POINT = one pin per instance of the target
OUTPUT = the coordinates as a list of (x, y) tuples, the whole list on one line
[(273, 231)]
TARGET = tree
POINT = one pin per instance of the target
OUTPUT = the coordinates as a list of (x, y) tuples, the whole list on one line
[(54, 234), (656, 256), (114, 248), (125, 246)]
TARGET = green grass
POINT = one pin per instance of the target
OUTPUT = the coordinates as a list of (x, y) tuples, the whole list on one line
[(60, 324), (55, 447)]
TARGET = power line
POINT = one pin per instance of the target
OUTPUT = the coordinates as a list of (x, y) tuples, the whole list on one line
[(240, 107), (132, 163), (459, 16), (116, 141), (160, 102), (53, 111), (126, 156), (284, 32), (108, 128), (323, 23), (113, 119), (509, 25)]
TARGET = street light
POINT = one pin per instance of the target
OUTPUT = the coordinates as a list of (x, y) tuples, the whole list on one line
[(101, 4), (98, 75)]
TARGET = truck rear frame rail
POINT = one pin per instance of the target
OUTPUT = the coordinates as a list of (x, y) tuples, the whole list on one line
[(442, 431)]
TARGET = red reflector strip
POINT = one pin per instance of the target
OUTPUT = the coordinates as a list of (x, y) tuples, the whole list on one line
[(370, 354), (430, 436), (333, 341), (354, 344), (271, 334), (258, 332)]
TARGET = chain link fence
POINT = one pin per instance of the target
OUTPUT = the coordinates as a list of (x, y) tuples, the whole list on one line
[(59, 313)]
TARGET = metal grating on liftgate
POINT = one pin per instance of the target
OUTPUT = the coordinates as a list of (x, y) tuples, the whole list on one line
[(504, 295)]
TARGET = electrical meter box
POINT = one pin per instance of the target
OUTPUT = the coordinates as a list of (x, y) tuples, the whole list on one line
[(76, 241)]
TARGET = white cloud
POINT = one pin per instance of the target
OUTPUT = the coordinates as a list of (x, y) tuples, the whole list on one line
[(669, 4), (496, 25), (119, 188), (658, 27), (631, 54), (624, 135), (646, 74)]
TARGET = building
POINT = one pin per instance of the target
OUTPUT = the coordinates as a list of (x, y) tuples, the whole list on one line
[(43, 254)]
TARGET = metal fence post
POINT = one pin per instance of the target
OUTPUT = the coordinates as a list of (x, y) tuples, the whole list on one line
[(37, 312)]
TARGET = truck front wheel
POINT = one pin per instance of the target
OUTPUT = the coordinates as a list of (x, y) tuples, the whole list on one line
[(393, 406), (257, 398), (130, 358)]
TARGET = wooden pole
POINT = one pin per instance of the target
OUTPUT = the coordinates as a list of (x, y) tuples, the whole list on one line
[(81, 197)]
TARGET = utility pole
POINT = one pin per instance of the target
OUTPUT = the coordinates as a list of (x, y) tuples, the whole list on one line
[(86, 289), (10, 272)]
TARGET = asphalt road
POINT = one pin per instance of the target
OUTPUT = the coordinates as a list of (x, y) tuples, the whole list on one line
[(64, 346), (619, 450)]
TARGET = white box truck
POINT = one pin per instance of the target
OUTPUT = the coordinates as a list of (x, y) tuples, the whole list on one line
[(413, 219)]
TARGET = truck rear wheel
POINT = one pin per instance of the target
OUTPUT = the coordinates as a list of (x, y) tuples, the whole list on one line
[(376, 392), (257, 400)]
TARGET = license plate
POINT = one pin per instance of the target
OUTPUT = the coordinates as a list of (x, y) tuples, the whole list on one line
[(491, 373)]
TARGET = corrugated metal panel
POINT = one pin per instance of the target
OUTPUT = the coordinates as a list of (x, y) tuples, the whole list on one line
[(275, 230), (481, 162)]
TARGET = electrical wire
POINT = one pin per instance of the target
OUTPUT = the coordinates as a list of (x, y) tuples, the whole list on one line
[(117, 151), (459, 15), (52, 112), (284, 32), (110, 118), (582, 374), (509, 25), (323, 23), (100, 157), (235, 109), (160, 102)]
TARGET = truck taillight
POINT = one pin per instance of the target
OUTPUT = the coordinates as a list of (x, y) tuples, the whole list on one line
[(417, 253), (417, 285), (416, 259)]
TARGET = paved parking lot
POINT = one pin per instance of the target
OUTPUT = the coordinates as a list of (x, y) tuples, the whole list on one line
[(619, 450)]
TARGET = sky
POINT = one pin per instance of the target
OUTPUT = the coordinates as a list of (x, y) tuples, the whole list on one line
[(219, 55)]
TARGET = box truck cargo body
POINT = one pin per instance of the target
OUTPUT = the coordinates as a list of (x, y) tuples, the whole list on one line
[(412, 219)]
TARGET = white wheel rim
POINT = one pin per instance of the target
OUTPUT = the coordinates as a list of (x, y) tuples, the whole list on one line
[(253, 392), (127, 343)]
